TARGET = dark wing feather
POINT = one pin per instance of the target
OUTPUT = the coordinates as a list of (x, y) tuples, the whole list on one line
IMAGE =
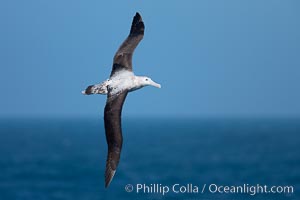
[(123, 57), (113, 130)]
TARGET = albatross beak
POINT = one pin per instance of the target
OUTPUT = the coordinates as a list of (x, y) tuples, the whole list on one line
[(155, 84)]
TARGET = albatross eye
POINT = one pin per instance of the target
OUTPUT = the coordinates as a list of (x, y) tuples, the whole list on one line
[(146, 79)]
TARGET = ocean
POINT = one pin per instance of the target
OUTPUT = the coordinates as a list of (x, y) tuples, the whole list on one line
[(192, 158)]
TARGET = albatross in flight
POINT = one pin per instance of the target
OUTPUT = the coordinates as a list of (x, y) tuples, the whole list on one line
[(122, 80)]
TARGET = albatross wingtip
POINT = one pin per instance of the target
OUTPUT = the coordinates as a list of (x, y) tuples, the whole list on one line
[(109, 174), (137, 18), (137, 26), (137, 14)]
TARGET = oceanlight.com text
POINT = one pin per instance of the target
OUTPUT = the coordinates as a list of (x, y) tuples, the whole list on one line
[(190, 188)]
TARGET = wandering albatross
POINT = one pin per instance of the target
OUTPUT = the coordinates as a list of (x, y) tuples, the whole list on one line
[(122, 80)]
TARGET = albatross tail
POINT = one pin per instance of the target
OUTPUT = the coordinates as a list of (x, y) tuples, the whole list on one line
[(95, 89)]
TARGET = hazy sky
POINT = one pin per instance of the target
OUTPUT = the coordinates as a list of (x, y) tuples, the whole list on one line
[(213, 58)]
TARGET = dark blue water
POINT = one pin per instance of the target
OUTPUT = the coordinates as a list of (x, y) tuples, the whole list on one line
[(65, 158)]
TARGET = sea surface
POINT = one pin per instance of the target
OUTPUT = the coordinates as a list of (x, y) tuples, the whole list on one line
[(57, 158)]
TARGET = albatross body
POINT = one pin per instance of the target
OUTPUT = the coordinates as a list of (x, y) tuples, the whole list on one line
[(122, 80)]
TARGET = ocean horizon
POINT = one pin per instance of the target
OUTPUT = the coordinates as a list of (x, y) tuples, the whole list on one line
[(64, 158)]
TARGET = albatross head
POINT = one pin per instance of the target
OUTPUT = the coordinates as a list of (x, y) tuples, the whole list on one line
[(145, 81)]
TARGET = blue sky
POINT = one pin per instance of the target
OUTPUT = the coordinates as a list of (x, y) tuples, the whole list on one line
[(213, 58)]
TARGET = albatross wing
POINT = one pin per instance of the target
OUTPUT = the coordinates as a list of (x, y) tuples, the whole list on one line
[(113, 130), (123, 57), (113, 109)]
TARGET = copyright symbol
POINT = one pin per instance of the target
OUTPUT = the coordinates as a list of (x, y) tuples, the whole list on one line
[(129, 188)]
